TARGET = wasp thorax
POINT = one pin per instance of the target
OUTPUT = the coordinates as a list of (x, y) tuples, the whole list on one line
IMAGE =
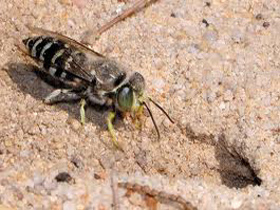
[(125, 98), (137, 82)]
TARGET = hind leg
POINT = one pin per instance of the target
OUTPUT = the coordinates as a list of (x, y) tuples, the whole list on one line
[(64, 95), (61, 95)]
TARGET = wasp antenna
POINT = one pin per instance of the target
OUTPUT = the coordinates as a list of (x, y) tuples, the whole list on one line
[(158, 106), (154, 122)]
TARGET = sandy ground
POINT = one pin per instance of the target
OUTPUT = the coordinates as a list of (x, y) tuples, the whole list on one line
[(215, 67)]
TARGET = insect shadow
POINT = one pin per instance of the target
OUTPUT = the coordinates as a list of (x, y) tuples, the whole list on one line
[(234, 167), (30, 80)]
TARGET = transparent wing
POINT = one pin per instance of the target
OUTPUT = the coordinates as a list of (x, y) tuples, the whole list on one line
[(70, 41), (107, 73), (77, 69), (75, 66)]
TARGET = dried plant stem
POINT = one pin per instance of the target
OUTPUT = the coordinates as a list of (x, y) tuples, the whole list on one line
[(140, 4), (160, 195)]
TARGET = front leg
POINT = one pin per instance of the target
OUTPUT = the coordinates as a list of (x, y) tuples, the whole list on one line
[(137, 117), (110, 119)]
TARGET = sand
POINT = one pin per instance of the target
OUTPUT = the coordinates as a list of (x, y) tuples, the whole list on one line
[(213, 65)]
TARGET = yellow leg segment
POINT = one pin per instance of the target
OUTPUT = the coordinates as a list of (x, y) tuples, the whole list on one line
[(82, 111), (137, 117), (111, 129)]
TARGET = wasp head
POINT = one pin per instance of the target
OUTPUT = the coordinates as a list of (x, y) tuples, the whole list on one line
[(130, 95), (131, 98)]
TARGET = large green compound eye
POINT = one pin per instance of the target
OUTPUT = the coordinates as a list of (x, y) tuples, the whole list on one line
[(125, 98)]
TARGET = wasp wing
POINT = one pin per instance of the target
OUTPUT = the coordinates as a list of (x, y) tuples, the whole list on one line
[(65, 39), (76, 65), (107, 73)]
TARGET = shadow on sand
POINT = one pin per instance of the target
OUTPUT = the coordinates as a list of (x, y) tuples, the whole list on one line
[(234, 167), (30, 80)]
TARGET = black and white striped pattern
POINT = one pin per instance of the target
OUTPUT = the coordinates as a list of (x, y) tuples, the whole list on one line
[(54, 54)]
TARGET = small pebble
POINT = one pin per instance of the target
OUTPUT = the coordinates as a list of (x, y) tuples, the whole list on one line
[(266, 24), (97, 176), (259, 16), (101, 175), (63, 177), (77, 162), (205, 22), (173, 15)]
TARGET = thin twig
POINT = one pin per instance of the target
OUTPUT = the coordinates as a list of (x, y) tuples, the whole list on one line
[(139, 5), (160, 195)]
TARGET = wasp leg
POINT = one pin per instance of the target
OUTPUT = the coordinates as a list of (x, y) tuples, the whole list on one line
[(61, 95), (137, 117), (82, 111), (110, 118)]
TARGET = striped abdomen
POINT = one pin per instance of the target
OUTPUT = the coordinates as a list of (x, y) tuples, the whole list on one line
[(55, 55)]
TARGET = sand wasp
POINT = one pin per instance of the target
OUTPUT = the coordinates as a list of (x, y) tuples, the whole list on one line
[(90, 76)]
